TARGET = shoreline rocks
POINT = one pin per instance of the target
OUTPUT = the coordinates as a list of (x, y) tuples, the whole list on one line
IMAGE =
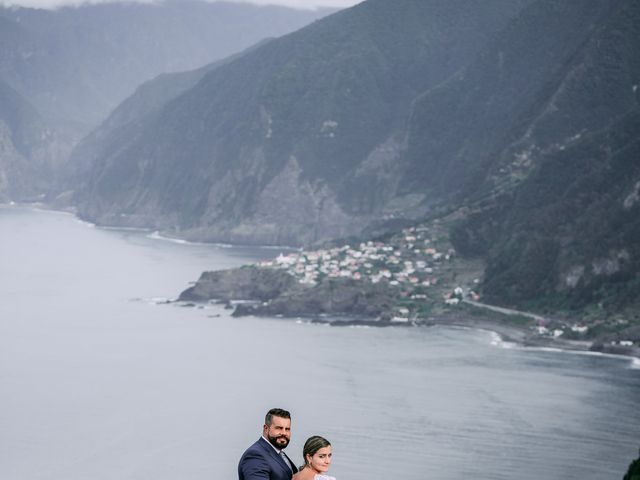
[(269, 292), (273, 292), (244, 283)]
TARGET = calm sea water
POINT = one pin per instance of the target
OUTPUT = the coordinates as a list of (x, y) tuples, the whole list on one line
[(99, 381)]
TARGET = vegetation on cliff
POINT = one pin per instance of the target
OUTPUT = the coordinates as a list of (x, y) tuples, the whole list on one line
[(633, 472)]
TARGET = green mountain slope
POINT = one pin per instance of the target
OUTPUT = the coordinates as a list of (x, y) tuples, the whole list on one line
[(555, 211), (568, 236), (457, 130), (124, 123)]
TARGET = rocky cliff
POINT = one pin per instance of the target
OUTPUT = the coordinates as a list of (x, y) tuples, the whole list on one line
[(29, 148), (269, 292), (247, 283), (555, 212), (299, 140)]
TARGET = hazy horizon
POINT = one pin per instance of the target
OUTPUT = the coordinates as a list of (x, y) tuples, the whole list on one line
[(300, 4)]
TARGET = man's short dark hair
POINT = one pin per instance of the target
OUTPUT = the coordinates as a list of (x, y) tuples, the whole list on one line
[(276, 412)]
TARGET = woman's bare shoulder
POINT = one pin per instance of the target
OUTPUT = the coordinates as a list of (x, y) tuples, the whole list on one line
[(302, 475), (308, 475)]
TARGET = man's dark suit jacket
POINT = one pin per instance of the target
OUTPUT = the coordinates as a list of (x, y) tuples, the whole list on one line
[(261, 462)]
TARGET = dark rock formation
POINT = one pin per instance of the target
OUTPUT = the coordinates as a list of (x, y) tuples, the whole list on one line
[(245, 283), (278, 293), (334, 297)]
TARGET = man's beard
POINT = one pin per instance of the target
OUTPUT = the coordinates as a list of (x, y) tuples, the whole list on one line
[(274, 441)]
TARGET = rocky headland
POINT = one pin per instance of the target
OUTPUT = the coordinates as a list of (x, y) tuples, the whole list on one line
[(262, 291), (265, 292), (413, 278)]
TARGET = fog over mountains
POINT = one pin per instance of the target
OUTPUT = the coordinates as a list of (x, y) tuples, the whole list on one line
[(514, 121), (74, 65)]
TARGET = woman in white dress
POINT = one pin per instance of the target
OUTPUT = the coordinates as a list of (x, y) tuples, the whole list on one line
[(317, 459)]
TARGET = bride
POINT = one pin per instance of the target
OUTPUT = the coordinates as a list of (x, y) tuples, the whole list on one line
[(317, 458)]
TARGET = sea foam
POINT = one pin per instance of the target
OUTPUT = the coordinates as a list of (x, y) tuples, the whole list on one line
[(634, 363), (498, 341), (156, 236)]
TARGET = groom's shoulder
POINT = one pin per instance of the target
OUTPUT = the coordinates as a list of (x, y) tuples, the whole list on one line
[(255, 447), (254, 457)]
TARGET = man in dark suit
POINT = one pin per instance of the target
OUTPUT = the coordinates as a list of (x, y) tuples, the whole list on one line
[(265, 459)]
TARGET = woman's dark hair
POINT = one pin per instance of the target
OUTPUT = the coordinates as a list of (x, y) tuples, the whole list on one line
[(311, 447)]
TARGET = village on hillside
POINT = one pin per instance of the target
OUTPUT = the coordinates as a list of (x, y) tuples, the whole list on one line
[(422, 266), (419, 262)]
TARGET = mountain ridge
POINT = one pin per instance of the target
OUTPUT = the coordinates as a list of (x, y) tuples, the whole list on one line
[(245, 122), (351, 126)]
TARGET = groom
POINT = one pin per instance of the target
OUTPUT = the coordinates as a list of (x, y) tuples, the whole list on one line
[(265, 459)]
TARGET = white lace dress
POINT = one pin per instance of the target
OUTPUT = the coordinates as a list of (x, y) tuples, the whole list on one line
[(323, 477)]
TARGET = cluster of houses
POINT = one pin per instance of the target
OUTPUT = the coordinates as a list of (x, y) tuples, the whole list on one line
[(578, 328), (414, 261), (409, 261)]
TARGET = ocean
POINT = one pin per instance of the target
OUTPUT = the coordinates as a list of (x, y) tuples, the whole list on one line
[(101, 379)]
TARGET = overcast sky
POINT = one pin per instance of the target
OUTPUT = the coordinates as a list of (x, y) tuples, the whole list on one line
[(288, 3)]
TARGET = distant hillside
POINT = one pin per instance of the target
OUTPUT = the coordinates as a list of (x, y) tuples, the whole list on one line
[(26, 143), (298, 140), (124, 123), (74, 65)]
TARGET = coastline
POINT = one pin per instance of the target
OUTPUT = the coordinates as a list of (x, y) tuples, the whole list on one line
[(152, 233), (346, 302), (508, 333), (523, 337)]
